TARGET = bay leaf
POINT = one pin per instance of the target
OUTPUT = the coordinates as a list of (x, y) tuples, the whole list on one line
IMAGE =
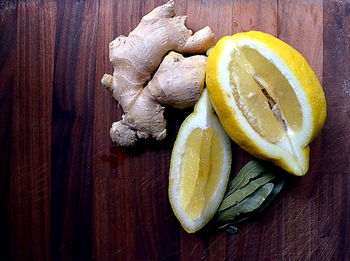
[(275, 191), (247, 205), (245, 191), (251, 170)]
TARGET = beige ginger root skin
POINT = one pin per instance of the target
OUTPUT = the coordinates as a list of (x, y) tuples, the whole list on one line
[(178, 81), (180, 88)]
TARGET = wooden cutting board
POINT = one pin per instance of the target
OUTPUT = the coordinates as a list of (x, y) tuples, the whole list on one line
[(67, 193)]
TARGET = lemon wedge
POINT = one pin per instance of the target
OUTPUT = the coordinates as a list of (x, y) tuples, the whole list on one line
[(199, 167), (267, 97)]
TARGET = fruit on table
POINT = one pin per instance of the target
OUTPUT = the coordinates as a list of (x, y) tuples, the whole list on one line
[(267, 97), (200, 167)]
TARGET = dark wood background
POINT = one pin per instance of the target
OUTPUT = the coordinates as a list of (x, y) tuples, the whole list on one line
[(67, 193)]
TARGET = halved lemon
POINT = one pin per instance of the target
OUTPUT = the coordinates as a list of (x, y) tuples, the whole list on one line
[(200, 167), (267, 97)]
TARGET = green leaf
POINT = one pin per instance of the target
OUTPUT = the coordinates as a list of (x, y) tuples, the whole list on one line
[(250, 192), (247, 205), (245, 191), (275, 191), (251, 170)]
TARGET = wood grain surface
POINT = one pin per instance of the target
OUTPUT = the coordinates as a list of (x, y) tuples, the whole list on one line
[(68, 193)]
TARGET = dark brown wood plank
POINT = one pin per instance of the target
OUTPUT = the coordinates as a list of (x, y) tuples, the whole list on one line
[(8, 24), (31, 131), (105, 235), (113, 203), (130, 186), (334, 165), (72, 123), (254, 15), (300, 23)]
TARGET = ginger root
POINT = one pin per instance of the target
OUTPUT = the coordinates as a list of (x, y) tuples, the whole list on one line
[(177, 81)]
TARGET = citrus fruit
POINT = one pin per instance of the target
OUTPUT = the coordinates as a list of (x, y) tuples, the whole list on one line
[(199, 167), (267, 97)]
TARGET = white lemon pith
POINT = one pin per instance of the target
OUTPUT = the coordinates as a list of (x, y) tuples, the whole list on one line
[(267, 97), (200, 167)]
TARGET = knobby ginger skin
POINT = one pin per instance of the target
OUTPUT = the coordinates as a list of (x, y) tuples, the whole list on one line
[(177, 81)]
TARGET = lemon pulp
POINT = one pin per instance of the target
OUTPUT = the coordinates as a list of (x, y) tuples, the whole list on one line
[(200, 168), (264, 95)]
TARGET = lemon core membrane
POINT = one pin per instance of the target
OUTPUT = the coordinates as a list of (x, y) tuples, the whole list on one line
[(264, 95), (201, 168)]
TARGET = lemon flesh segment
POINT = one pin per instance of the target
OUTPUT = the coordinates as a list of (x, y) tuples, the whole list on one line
[(277, 86), (201, 161), (199, 168), (264, 95), (267, 97), (252, 102)]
